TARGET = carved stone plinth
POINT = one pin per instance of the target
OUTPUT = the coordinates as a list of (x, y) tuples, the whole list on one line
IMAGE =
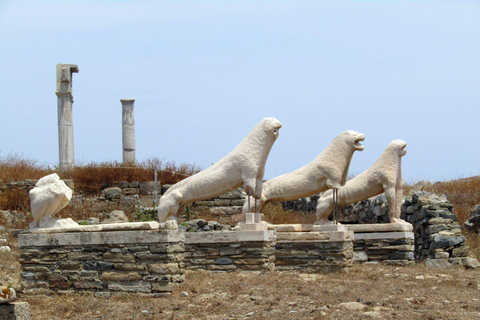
[(387, 243)]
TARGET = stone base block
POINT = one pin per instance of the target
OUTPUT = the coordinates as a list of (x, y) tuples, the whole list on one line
[(15, 311), (140, 261), (230, 251), (381, 227), (313, 251), (392, 248)]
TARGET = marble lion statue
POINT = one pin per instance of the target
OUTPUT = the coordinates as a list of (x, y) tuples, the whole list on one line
[(385, 175), (328, 170), (244, 165)]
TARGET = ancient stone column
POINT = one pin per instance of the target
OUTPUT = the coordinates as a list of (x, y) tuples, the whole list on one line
[(64, 109), (128, 131)]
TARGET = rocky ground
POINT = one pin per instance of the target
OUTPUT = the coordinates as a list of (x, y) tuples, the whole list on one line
[(363, 292)]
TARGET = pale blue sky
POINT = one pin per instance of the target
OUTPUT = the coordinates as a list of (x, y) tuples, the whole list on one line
[(203, 73)]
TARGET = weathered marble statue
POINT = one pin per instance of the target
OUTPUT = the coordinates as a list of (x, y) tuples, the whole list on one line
[(328, 170), (385, 175), (49, 196), (244, 165)]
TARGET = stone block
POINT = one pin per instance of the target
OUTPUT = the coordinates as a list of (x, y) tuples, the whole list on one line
[(221, 202), (167, 248), (120, 276), (446, 242), (226, 211), (470, 263), (204, 203), (112, 193), (460, 252), (360, 256), (130, 266), (130, 191), (223, 261), (438, 264), (237, 202), (383, 235), (149, 187), (94, 284), (436, 228), (251, 261), (146, 256), (119, 257), (15, 311), (130, 286), (164, 268), (69, 265), (164, 286), (441, 255), (402, 255), (230, 267), (84, 276), (381, 227)]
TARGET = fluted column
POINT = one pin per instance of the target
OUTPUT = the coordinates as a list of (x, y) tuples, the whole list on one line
[(128, 131), (64, 110)]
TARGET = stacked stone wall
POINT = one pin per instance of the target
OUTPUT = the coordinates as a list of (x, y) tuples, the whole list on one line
[(102, 262), (230, 251), (394, 248), (437, 234), (313, 251)]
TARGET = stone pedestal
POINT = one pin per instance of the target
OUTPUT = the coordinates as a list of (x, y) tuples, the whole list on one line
[(65, 116), (142, 261), (314, 251), (230, 250), (15, 311), (128, 131), (388, 243)]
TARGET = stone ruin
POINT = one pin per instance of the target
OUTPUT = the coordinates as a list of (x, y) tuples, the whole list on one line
[(151, 257)]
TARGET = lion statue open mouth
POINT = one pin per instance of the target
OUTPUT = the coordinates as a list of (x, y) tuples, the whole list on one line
[(328, 170)]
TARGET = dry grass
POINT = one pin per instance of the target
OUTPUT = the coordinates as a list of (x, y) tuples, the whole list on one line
[(93, 177), (89, 179), (14, 200), (462, 193), (274, 214), (15, 167), (388, 292)]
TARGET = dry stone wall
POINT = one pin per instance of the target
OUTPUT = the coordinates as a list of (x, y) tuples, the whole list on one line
[(313, 251), (104, 262), (224, 251), (394, 248), (437, 234)]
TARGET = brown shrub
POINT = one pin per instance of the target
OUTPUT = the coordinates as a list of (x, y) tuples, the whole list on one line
[(274, 213), (15, 200), (462, 193), (16, 167), (93, 177)]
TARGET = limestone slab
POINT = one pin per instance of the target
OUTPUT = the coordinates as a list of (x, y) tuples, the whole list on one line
[(128, 226), (330, 227), (228, 236), (98, 238), (291, 227), (380, 227), (383, 235)]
